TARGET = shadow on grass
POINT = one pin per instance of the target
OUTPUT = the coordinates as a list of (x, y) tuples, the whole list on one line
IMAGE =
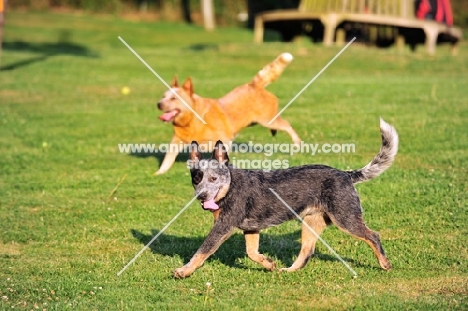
[(201, 47), (281, 247), (63, 46), (181, 157)]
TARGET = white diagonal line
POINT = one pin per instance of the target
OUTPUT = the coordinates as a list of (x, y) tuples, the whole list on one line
[(315, 233), (157, 235), (311, 81), (161, 79)]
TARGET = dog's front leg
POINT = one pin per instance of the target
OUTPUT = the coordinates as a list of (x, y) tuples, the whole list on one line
[(170, 157), (218, 234), (252, 240)]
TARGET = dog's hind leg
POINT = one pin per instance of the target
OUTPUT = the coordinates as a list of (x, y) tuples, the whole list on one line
[(282, 125), (373, 239), (353, 224), (218, 234), (317, 223), (252, 239)]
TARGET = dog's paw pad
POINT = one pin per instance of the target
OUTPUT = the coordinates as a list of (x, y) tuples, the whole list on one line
[(385, 264), (268, 264), (272, 265), (179, 273)]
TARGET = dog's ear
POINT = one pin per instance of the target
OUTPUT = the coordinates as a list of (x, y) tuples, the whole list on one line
[(175, 83), (195, 154), (220, 153), (188, 86)]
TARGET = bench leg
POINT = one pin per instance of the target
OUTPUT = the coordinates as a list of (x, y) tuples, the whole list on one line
[(340, 37), (329, 21), (454, 48), (400, 42), (431, 39), (259, 29), (373, 34)]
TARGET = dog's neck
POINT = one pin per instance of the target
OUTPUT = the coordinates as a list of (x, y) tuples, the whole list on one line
[(186, 118), (238, 177), (183, 119)]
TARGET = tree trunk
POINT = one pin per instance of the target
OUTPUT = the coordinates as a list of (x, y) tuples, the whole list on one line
[(208, 14), (186, 11)]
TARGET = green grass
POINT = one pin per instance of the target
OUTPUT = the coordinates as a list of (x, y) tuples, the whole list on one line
[(62, 115)]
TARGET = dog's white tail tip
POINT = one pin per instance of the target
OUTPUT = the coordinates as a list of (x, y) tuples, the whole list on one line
[(382, 122), (287, 57), (386, 127)]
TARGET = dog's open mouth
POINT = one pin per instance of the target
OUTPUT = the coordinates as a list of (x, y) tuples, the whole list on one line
[(168, 116), (210, 205)]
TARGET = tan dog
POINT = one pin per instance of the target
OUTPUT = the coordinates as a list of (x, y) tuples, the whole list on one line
[(245, 105)]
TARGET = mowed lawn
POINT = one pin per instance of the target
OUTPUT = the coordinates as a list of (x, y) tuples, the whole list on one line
[(74, 210)]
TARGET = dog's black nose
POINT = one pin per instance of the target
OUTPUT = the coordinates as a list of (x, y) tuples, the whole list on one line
[(202, 196), (159, 106)]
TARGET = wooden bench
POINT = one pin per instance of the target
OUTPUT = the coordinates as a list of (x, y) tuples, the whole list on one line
[(398, 14)]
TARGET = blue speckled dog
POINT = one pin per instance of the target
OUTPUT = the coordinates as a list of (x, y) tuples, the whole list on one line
[(320, 194)]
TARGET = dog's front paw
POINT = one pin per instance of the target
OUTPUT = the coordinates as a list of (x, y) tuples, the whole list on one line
[(181, 273), (159, 172), (269, 264), (386, 265), (290, 269)]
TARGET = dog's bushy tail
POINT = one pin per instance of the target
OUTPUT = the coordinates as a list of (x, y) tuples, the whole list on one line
[(383, 160), (272, 71)]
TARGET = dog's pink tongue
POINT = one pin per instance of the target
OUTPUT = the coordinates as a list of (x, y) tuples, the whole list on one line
[(210, 205), (168, 116)]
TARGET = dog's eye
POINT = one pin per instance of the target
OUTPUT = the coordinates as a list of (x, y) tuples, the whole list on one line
[(212, 179), (197, 177)]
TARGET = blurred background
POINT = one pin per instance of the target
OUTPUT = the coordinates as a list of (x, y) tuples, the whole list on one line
[(74, 209), (226, 12)]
